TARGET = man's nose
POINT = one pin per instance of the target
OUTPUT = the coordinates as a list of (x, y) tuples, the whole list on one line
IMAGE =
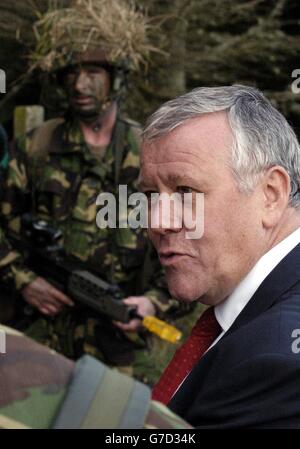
[(165, 217), (81, 81)]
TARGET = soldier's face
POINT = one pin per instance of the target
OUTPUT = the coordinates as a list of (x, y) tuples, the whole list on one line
[(87, 87), (195, 158)]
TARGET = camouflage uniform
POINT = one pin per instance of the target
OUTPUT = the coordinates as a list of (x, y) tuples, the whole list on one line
[(62, 189), (37, 397), (7, 255)]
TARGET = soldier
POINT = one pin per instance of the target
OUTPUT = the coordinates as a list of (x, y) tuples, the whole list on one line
[(56, 173)]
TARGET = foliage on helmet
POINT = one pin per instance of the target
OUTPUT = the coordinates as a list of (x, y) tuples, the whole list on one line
[(115, 26)]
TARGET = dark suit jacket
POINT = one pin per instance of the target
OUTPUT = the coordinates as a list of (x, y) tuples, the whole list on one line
[(251, 377)]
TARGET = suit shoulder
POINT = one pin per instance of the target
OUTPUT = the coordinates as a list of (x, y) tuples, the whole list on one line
[(271, 332)]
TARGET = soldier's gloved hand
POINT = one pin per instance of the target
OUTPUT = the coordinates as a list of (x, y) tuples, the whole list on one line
[(144, 307), (46, 298)]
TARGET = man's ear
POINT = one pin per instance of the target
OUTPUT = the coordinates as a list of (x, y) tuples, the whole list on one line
[(276, 189)]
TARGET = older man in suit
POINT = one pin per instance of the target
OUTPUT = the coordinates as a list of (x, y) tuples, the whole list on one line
[(240, 367)]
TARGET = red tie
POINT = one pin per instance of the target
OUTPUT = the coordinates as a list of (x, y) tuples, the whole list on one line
[(185, 358)]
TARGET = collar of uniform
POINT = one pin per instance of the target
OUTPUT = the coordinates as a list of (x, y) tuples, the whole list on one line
[(227, 312), (73, 136), (69, 139), (73, 140)]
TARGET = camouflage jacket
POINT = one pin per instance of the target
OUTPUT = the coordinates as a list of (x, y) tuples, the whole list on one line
[(45, 394), (61, 187), (7, 255)]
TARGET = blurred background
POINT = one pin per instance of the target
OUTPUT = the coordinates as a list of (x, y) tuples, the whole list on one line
[(204, 42)]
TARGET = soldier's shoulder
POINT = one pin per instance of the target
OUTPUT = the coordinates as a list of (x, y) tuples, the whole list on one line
[(133, 135), (36, 142), (130, 122)]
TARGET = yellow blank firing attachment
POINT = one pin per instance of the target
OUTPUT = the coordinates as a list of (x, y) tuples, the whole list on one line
[(164, 330)]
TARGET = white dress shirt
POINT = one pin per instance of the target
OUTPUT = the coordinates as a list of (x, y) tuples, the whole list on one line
[(227, 312)]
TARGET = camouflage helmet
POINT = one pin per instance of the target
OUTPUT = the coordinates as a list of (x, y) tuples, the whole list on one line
[(112, 33)]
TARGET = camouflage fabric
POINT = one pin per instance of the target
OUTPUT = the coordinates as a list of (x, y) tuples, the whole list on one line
[(62, 189), (36, 383), (7, 255), (8, 261), (33, 384)]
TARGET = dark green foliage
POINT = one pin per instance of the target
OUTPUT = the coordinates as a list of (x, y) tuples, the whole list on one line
[(209, 42)]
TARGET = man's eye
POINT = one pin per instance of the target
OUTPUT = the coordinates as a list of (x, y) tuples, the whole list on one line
[(71, 75), (95, 71), (184, 189), (72, 71)]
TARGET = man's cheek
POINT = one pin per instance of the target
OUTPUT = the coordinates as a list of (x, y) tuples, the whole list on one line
[(99, 89)]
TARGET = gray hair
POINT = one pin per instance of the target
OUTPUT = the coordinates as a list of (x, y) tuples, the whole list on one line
[(262, 136)]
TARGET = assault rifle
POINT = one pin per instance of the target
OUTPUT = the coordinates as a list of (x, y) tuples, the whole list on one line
[(45, 256)]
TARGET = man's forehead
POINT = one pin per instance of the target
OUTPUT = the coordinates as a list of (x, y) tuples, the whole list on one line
[(172, 175), (199, 139), (173, 171)]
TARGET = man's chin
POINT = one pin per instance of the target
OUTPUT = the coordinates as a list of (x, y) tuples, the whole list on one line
[(87, 113), (182, 291)]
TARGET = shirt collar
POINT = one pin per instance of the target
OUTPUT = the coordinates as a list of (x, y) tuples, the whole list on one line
[(73, 136), (227, 312)]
